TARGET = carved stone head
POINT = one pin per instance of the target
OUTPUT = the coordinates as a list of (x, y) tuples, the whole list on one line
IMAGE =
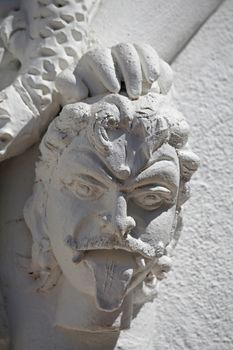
[(106, 207)]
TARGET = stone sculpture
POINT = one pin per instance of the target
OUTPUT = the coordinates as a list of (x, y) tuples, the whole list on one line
[(117, 164), (113, 174)]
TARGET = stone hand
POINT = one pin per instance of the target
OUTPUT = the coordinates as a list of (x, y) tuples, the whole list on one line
[(99, 71)]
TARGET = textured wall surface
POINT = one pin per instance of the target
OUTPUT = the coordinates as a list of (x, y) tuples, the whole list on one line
[(194, 309), (164, 25)]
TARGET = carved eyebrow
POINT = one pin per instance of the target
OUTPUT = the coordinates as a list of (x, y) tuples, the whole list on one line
[(92, 180), (163, 173), (89, 168)]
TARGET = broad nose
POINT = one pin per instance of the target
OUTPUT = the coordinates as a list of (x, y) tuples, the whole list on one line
[(123, 223)]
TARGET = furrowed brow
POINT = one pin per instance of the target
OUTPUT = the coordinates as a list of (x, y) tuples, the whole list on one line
[(164, 172), (85, 163), (92, 180)]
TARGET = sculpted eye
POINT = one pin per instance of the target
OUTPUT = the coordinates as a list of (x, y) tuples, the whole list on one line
[(85, 188), (151, 198)]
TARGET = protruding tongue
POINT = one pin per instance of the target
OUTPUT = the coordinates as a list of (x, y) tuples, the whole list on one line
[(113, 271)]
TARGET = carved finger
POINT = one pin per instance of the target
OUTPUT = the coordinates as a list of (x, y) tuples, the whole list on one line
[(127, 58), (89, 77), (165, 78), (150, 62), (102, 64), (71, 88)]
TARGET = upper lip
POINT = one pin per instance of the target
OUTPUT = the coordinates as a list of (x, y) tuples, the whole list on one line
[(128, 243)]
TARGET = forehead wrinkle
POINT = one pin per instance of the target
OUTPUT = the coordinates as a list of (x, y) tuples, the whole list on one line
[(164, 153), (87, 160)]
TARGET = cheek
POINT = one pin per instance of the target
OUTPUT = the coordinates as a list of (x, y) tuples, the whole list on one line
[(61, 212), (67, 214), (154, 226)]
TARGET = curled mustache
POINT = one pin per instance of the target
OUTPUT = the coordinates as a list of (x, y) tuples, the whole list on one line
[(129, 243)]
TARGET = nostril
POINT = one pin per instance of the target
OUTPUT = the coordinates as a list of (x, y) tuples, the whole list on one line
[(126, 226), (106, 219), (126, 232)]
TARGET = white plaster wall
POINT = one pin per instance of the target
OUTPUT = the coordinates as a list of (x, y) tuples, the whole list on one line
[(194, 309), (166, 25)]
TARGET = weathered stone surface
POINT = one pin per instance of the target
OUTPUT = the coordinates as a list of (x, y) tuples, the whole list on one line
[(109, 188), (194, 309)]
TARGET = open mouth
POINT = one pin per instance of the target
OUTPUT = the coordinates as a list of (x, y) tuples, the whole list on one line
[(117, 266), (116, 273)]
